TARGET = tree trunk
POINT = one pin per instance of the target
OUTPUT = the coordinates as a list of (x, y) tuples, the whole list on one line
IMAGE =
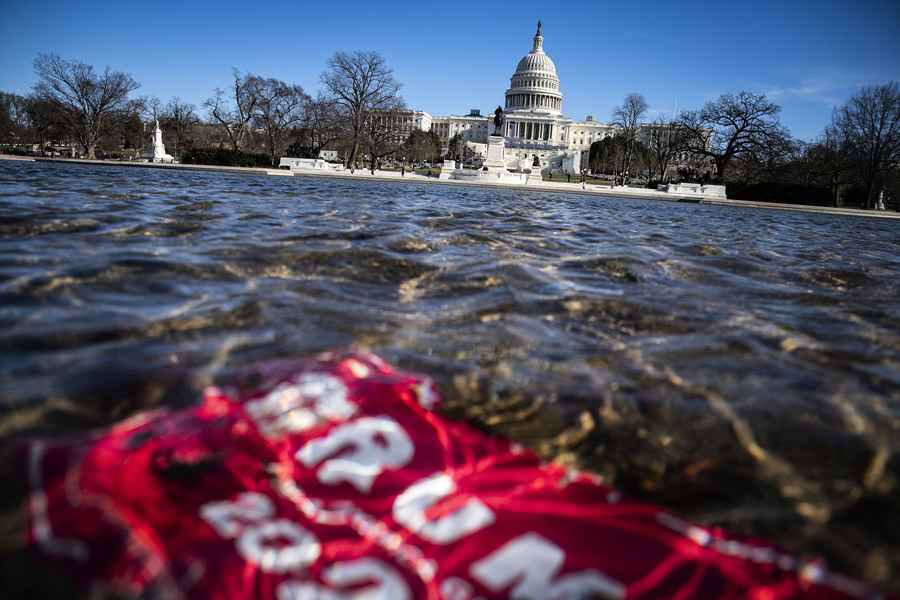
[(91, 151), (721, 164), (235, 137), (353, 151), (272, 152)]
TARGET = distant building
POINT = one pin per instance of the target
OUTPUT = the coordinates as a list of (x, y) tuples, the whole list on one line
[(473, 127), (404, 122), (534, 125), (582, 134)]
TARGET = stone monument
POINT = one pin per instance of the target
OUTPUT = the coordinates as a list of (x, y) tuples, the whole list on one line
[(158, 150), (447, 168), (535, 174), (494, 159), (498, 121)]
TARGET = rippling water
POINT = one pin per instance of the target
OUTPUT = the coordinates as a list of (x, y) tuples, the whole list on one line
[(741, 366)]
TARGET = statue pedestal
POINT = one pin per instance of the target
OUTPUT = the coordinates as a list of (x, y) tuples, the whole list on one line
[(158, 155), (495, 153), (447, 168)]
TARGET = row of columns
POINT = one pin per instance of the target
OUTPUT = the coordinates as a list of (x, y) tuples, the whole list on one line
[(535, 100), (528, 130)]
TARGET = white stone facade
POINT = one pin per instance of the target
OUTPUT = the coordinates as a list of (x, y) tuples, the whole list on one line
[(473, 127), (693, 189), (404, 122), (308, 164)]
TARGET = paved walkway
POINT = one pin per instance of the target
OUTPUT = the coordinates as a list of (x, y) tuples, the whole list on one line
[(410, 177)]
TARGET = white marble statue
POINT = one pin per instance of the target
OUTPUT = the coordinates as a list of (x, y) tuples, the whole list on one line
[(158, 150)]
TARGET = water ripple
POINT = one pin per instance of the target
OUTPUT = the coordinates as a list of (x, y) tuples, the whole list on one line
[(740, 366)]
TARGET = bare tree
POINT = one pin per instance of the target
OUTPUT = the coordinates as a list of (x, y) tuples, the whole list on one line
[(234, 110), (86, 101), (664, 143), (830, 160), (180, 117), (731, 126), (151, 108), (279, 107), (629, 117), (44, 120), (382, 133), (869, 124), (360, 83), (323, 124), (769, 162)]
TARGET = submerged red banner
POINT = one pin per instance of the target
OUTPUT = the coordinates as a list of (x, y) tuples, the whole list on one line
[(335, 479)]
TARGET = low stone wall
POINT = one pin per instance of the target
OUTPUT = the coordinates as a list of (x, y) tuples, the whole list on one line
[(693, 189), (309, 164), (501, 176)]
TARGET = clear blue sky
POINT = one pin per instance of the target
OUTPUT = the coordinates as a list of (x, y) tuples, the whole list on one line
[(451, 56)]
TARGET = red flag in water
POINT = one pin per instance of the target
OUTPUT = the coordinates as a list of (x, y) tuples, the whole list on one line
[(336, 480)]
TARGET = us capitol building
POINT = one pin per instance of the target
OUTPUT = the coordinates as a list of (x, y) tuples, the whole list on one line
[(534, 125)]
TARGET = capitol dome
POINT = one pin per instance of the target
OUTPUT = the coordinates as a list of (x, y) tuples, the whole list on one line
[(534, 87)]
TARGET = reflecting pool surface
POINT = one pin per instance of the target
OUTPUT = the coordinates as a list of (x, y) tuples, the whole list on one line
[(740, 366)]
